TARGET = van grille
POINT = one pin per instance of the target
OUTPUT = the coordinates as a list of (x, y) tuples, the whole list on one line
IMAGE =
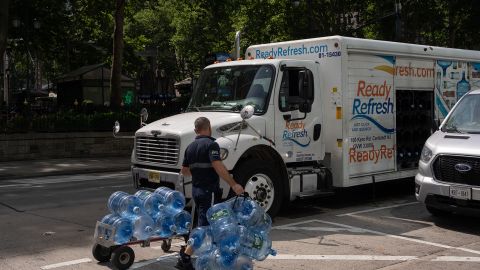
[(159, 150), (444, 170)]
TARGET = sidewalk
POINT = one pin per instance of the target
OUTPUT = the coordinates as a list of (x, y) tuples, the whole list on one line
[(65, 166)]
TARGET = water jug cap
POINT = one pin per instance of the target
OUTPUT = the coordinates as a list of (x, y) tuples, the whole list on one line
[(148, 229), (136, 210)]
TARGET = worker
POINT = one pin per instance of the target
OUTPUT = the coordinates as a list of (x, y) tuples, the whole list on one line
[(203, 162)]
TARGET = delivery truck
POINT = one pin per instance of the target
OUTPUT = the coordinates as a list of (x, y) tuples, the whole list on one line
[(328, 113)]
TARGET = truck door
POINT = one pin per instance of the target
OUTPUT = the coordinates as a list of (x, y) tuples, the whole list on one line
[(298, 113)]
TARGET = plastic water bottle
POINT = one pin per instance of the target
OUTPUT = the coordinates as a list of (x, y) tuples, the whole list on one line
[(171, 198), (255, 245), (227, 237), (220, 213), (225, 260), (206, 261), (143, 226), (123, 204), (243, 263), (151, 202), (201, 240), (123, 228), (165, 224), (264, 225), (248, 212), (183, 220)]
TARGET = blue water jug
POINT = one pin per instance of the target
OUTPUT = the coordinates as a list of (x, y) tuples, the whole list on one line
[(151, 202), (227, 237), (171, 198), (143, 226), (248, 212), (201, 240), (243, 263), (220, 213), (225, 260), (123, 228), (264, 224), (256, 245), (165, 224), (123, 204), (206, 261), (183, 220)]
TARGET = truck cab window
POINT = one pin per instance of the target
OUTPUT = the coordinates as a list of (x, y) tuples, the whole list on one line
[(290, 92)]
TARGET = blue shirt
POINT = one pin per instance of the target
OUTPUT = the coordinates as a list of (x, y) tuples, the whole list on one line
[(199, 156)]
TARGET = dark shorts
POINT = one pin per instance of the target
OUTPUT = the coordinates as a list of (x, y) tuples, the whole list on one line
[(203, 201)]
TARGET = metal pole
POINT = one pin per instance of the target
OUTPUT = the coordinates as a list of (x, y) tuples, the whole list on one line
[(237, 45)]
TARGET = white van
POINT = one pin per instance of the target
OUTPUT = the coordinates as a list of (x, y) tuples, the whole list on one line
[(448, 178)]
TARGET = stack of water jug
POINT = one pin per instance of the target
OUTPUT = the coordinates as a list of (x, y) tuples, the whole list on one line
[(238, 233), (146, 214)]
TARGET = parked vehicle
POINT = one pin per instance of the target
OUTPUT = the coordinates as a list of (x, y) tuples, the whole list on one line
[(448, 178), (329, 113)]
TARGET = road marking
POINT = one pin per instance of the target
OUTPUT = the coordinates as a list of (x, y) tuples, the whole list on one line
[(293, 224), (52, 266), (321, 229), (15, 185), (159, 259), (456, 259), (401, 237), (376, 209), (341, 257), (69, 178), (411, 220)]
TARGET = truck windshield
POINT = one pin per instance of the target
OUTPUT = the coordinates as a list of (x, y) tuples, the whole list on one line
[(230, 88), (466, 116)]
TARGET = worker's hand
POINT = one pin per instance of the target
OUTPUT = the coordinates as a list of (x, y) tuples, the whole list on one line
[(238, 189)]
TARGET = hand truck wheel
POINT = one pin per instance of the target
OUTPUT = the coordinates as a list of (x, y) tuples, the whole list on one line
[(166, 245), (101, 253), (122, 257)]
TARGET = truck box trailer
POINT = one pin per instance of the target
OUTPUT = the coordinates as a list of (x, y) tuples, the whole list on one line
[(329, 113)]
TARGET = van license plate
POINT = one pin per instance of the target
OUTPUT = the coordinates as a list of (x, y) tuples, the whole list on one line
[(154, 177), (461, 193)]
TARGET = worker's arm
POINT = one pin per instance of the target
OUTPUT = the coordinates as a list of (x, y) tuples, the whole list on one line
[(225, 175), (186, 171)]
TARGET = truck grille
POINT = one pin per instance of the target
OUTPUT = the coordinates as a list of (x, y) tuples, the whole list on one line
[(159, 150), (444, 170)]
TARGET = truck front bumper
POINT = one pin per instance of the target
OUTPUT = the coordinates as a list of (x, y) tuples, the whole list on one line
[(147, 178)]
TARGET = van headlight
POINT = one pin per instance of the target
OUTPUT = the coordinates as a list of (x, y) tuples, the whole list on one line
[(223, 153), (426, 155)]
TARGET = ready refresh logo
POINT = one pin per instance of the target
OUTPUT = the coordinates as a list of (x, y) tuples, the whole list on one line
[(295, 132)]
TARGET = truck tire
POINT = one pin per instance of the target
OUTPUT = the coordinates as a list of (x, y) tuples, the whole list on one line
[(262, 182)]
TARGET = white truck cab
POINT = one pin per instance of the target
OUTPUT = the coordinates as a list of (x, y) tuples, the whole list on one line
[(329, 113), (448, 178)]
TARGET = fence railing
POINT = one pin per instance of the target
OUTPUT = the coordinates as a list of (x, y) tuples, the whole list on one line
[(79, 119)]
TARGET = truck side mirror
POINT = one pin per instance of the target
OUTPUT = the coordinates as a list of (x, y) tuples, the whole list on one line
[(143, 117)]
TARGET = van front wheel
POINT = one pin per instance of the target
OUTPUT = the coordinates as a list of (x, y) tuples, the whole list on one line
[(262, 182)]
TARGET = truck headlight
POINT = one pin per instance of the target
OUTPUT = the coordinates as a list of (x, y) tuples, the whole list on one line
[(426, 155), (223, 153)]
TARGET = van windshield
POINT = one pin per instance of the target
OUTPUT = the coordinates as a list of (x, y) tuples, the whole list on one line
[(466, 116), (230, 88)]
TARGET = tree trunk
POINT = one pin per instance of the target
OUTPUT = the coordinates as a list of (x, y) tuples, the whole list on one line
[(3, 38), (117, 58)]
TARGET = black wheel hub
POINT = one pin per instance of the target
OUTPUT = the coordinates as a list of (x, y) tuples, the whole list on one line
[(261, 194)]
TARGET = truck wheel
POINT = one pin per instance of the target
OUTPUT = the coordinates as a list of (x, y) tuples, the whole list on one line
[(101, 253), (262, 182), (122, 257)]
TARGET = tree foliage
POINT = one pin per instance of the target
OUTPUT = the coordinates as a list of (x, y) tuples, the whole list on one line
[(176, 35)]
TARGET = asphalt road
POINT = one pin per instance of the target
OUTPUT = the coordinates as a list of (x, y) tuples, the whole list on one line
[(48, 223)]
